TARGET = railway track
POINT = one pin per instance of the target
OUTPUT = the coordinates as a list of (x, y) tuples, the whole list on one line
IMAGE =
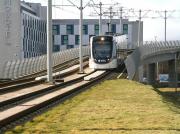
[(122, 71), (29, 102), (11, 97), (30, 78), (10, 114), (34, 82)]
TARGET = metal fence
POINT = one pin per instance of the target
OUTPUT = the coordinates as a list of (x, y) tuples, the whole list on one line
[(149, 49), (19, 68)]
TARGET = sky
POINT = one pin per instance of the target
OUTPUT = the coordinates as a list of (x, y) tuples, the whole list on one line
[(153, 28)]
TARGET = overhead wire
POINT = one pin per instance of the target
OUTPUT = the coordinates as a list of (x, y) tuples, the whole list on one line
[(130, 13), (69, 11), (87, 4), (72, 3), (94, 7)]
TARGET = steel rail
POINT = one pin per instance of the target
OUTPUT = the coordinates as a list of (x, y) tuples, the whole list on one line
[(57, 92), (30, 78)]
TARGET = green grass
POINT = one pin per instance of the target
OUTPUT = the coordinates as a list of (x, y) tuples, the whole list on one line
[(115, 106)]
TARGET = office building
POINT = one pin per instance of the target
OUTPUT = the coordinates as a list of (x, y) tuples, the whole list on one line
[(23, 30), (66, 32)]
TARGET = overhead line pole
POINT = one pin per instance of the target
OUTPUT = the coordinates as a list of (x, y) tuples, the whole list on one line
[(80, 33), (139, 28), (120, 22), (110, 20), (49, 42), (100, 19), (165, 19)]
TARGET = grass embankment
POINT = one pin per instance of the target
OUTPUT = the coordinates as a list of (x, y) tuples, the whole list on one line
[(115, 106)]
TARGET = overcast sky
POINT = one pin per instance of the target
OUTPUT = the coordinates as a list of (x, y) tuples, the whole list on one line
[(153, 28)]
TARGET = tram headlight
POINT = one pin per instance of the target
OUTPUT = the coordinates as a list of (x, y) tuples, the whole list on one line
[(102, 38)]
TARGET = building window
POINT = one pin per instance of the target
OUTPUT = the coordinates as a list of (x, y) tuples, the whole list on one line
[(77, 39), (53, 39), (70, 46), (64, 39), (113, 28), (96, 29), (125, 28), (70, 29), (85, 29), (56, 48), (56, 30)]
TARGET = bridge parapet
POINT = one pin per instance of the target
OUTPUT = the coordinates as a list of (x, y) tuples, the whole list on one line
[(153, 48), (151, 52)]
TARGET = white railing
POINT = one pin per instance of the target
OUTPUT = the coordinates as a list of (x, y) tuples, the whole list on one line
[(149, 49), (152, 48), (19, 68)]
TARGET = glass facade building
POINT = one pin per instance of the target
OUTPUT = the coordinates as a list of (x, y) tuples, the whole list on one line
[(34, 36), (33, 33)]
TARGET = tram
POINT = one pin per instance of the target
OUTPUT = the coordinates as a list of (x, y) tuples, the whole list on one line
[(103, 52)]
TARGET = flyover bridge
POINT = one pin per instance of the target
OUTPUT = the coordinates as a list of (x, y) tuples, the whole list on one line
[(150, 53)]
